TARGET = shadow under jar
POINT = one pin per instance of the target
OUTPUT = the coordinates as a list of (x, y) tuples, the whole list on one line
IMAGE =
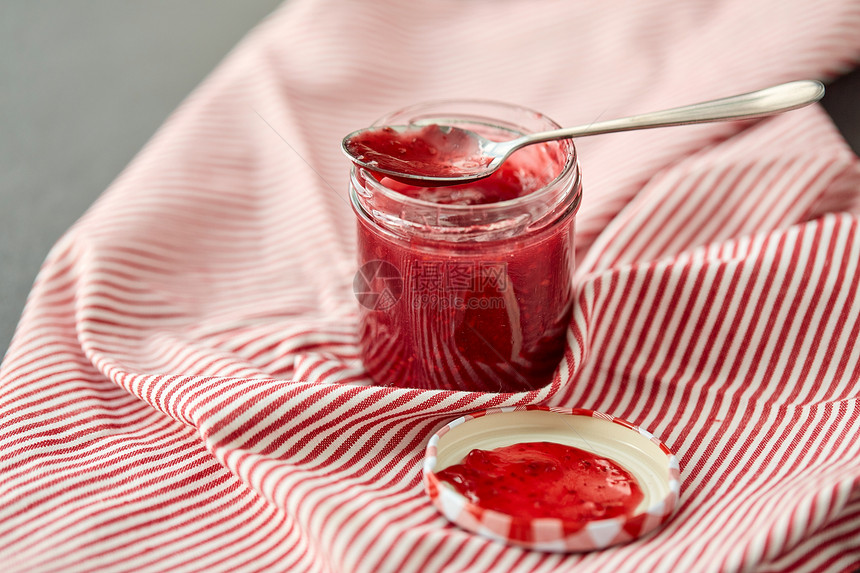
[(468, 287)]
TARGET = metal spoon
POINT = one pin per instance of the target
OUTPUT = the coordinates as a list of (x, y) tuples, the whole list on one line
[(460, 155)]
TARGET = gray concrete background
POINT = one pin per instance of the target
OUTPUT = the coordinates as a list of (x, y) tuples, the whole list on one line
[(85, 83)]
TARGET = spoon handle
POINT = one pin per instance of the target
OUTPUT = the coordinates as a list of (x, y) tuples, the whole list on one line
[(779, 98)]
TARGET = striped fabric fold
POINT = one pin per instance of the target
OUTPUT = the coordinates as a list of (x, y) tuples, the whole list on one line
[(184, 391)]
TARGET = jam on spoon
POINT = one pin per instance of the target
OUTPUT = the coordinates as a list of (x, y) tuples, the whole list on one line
[(427, 152)]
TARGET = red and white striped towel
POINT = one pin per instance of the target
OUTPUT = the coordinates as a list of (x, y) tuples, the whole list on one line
[(183, 392)]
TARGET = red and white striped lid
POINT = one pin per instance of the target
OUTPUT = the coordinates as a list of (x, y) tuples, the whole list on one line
[(649, 460)]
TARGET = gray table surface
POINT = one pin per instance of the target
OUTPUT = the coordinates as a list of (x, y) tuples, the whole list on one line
[(84, 84)]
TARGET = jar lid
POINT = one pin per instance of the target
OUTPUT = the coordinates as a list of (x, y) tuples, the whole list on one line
[(651, 463)]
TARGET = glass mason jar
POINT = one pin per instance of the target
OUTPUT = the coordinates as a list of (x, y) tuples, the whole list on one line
[(468, 287)]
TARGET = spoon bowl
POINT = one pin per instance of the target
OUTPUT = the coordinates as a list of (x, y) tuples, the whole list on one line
[(430, 153)]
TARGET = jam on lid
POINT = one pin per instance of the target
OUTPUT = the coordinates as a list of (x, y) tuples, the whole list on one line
[(531, 480), (551, 479)]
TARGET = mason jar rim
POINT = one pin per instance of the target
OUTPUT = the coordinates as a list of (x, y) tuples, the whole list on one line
[(571, 161)]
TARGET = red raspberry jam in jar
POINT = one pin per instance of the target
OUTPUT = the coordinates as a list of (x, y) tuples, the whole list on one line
[(468, 287)]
